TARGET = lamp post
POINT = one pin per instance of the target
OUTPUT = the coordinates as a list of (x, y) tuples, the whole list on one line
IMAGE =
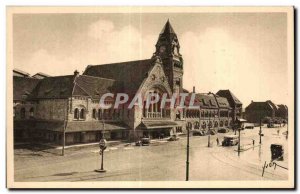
[(287, 129), (188, 126), (65, 126), (102, 146), (208, 137), (260, 134), (239, 145)]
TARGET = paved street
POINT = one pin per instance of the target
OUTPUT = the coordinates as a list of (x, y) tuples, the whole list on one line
[(161, 160)]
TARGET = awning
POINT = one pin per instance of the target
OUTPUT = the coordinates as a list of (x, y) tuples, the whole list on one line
[(81, 126), (39, 125), (72, 126), (157, 124)]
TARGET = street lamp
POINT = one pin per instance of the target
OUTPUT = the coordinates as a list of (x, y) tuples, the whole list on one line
[(188, 127), (102, 146), (239, 145), (260, 133), (208, 137)]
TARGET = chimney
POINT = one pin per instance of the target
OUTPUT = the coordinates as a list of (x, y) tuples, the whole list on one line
[(76, 73), (194, 91)]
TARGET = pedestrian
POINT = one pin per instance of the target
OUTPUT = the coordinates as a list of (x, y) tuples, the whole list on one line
[(278, 132), (253, 142), (217, 141)]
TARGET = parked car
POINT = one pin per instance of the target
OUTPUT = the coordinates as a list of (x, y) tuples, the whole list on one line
[(277, 152), (230, 140), (249, 126), (212, 132), (198, 133), (270, 125), (173, 138), (145, 141), (138, 143), (223, 130), (258, 124)]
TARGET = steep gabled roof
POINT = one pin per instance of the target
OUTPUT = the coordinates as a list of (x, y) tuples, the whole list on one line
[(222, 102), (282, 107), (71, 85), (131, 73), (274, 106), (202, 100), (259, 106), (40, 75), (23, 86), (54, 87), (230, 97), (95, 87), (18, 72)]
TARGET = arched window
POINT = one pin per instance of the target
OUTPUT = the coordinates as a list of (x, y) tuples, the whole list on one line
[(210, 124), (82, 114), (196, 125), (178, 114), (31, 112), (23, 114), (216, 124), (94, 114), (76, 113), (204, 125), (226, 123), (100, 114), (221, 123)]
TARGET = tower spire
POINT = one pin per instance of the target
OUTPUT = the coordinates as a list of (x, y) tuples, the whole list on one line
[(167, 29), (168, 49)]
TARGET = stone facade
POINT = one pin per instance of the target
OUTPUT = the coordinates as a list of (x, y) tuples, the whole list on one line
[(70, 104)]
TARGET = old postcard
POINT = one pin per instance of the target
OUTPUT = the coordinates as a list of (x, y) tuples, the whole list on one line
[(150, 97)]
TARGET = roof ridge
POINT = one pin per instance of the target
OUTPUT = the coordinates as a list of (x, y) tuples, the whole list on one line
[(100, 78), (59, 76), (120, 62)]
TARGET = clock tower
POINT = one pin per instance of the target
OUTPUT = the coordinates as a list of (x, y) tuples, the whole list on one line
[(168, 49)]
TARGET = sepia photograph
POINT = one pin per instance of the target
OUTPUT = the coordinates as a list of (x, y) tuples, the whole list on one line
[(150, 97)]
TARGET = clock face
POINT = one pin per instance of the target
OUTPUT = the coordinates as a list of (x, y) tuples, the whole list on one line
[(162, 49)]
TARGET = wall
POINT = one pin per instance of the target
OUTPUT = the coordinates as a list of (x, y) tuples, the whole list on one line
[(254, 116), (52, 109), (18, 105)]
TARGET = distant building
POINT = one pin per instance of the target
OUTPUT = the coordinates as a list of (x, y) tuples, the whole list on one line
[(20, 73), (234, 102), (282, 111), (212, 112), (260, 110), (40, 75)]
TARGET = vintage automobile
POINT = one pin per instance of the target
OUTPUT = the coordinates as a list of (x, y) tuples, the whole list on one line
[(270, 125), (230, 140), (144, 141), (223, 130), (198, 133), (249, 127), (277, 152), (173, 138)]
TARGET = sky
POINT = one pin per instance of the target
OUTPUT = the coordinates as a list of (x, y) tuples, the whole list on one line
[(243, 52)]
